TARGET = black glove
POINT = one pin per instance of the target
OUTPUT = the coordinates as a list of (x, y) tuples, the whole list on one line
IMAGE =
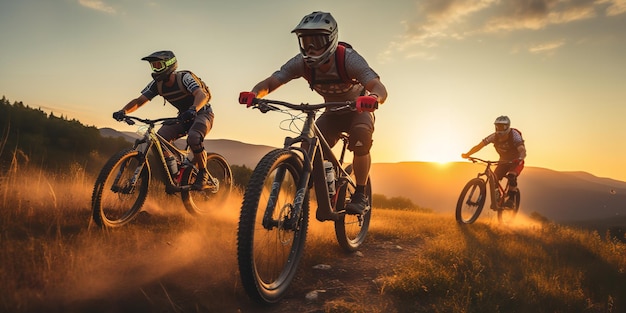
[(119, 115), (187, 115)]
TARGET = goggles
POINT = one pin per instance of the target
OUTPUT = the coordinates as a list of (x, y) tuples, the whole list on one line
[(317, 42), (502, 127), (158, 66)]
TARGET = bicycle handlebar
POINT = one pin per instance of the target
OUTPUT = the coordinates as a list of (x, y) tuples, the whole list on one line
[(130, 120), (265, 105), (474, 160)]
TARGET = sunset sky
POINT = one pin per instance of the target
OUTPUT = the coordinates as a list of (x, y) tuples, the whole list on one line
[(557, 68)]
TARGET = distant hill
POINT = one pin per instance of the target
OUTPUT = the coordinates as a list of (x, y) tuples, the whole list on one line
[(237, 153), (559, 196)]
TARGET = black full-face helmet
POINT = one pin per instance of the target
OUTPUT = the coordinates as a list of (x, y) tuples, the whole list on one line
[(318, 32), (162, 63)]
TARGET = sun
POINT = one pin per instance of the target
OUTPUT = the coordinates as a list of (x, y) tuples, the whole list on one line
[(441, 149)]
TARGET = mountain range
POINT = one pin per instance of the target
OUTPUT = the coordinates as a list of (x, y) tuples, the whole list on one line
[(568, 197)]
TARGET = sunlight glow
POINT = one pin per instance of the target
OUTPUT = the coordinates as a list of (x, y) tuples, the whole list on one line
[(438, 148)]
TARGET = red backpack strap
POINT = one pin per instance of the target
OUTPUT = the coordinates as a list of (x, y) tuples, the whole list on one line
[(340, 61)]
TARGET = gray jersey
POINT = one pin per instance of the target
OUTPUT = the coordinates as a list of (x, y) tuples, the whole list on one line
[(356, 67)]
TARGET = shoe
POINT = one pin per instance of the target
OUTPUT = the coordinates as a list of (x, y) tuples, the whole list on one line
[(510, 201), (358, 204), (202, 180)]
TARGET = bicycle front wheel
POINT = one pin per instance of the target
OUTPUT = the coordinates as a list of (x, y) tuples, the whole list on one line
[(199, 202), (507, 215), (471, 201), (270, 237), (121, 189), (351, 229)]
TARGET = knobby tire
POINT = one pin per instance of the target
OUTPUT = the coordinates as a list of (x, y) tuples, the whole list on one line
[(471, 201), (114, 204), (507, 215), (351, 229), (268, 257), (198, 202)]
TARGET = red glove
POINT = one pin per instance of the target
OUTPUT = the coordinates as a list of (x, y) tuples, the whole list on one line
[(366, 103), (246, 97)]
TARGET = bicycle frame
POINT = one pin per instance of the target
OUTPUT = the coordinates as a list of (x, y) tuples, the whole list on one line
[(314, 144), (314, 149), (494, 185), (152, 141)]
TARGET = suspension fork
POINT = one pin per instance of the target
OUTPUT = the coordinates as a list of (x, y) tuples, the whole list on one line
[(291, 221), (492, 180)]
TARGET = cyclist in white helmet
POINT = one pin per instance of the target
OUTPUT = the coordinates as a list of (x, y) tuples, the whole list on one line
[(335, 78), (510, 146)]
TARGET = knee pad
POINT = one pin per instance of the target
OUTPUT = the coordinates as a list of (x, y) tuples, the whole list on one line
[(512, 177), (360, 140), (194, 140)]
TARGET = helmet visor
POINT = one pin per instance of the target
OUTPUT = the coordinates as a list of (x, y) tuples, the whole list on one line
[(501, 127), (315, 42)]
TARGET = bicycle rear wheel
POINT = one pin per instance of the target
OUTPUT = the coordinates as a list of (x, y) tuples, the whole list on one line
[(199, 202), (507, 215), (471, 201), (351, 229), (116, 200), (269, 244)]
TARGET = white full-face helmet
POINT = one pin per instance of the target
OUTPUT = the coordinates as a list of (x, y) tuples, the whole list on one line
[(317, 32), (503, 125)]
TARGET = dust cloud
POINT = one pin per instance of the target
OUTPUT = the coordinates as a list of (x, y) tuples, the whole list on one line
[(166, 252)]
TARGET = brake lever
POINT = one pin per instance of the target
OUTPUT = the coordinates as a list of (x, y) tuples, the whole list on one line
[(342, 107), (264, 108), (129, 121)]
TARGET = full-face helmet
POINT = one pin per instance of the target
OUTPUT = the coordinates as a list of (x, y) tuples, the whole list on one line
[(503, 125), (162, 63), (318, 36)]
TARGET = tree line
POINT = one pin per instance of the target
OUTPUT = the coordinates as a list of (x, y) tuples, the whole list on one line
[(31, 136)]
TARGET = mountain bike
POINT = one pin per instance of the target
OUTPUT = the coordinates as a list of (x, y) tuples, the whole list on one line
[(474, 194), (122, 185), (274, 215)]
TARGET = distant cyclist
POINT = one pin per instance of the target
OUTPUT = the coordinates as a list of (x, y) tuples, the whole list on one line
[(185, 91), (510, 146), (338, 73)]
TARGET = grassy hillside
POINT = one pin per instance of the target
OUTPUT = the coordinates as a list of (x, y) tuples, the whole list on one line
[(54, 260)]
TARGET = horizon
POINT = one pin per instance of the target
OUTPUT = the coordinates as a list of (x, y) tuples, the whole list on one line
[(555, 68), (435, 163)]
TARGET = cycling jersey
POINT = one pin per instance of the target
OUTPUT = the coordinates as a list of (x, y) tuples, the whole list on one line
[(507, 148), (181, 99), (356, 68)]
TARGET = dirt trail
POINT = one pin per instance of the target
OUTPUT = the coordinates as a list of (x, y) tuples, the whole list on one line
[(351, 282)]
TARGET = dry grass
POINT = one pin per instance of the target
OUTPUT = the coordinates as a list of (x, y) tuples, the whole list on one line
[(53, 259)]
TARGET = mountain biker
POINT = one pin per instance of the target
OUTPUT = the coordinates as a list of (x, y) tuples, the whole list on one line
[(185, 91), (318, 40), (510, 146)]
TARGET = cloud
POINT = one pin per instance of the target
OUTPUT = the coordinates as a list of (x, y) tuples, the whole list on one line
[(435, 21), (546, 48), (616, 7), (97, 5), (535, 15)]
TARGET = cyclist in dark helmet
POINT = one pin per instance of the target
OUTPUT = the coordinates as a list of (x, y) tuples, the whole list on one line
[(188, 93), (338, 73), (510, 146)]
